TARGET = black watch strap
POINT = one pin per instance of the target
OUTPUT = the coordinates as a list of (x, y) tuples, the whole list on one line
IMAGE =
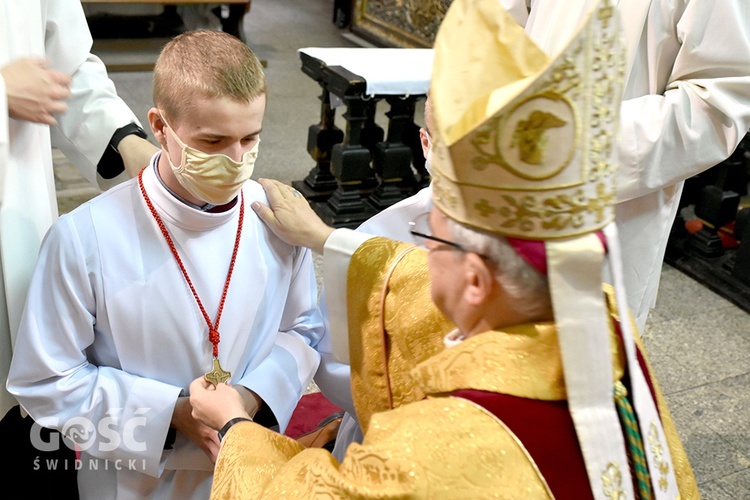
[(110, 164), (122, 132), (229, 424)]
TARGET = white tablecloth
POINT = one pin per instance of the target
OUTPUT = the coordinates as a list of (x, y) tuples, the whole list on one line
[(386, 71)]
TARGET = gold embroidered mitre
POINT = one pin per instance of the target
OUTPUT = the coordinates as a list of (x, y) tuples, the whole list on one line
[(523, 143), (523, 147)]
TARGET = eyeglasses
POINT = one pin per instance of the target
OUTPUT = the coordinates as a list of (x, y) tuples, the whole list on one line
[(420, 227)]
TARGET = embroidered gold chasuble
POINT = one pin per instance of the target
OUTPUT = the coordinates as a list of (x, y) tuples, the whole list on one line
[(393, 324), (437, 447)]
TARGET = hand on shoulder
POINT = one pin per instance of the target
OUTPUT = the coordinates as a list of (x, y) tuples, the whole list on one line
[(290, 216)]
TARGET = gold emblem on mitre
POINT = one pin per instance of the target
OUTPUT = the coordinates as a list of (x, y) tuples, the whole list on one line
[(524, 144)]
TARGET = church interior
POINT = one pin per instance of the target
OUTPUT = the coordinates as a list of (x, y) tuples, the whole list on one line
[(698, 335)]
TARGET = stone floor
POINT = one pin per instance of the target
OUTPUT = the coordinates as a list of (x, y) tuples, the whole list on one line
[(699, 343)]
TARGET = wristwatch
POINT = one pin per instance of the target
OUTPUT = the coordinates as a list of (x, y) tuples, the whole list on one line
[(120, 133), (110, 165), (229, 424)]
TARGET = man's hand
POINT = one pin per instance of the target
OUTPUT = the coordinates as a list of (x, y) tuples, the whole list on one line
[(290, 216), (136, 153), (35, 92), (199, 433), (214, 406)]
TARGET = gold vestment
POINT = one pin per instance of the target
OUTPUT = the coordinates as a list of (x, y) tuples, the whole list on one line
[(437, 447)]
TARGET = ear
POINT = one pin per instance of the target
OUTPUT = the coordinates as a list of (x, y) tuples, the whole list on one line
[(157, 126), (480, 279), (424, 139)]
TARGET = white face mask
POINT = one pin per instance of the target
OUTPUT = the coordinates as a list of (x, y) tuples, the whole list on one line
[(428, 162), (214, 178), (428, 157)]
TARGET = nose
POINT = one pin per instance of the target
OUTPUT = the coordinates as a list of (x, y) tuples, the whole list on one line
[(236, 151)]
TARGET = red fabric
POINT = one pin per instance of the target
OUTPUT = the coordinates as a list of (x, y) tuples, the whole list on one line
[(644, 368), (547, 432), (310, 411), (534, 252)]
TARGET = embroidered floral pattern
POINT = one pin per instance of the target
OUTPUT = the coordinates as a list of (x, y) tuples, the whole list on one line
[(612, 482), (656, 447)]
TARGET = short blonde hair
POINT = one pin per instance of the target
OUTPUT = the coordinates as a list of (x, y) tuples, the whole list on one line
[(207, 63), (527, 288)]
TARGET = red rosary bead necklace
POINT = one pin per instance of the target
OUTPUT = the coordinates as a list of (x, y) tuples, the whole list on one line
[(217, 374)]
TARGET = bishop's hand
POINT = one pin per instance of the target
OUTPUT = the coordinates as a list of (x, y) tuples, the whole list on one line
[(215, 405), (290, 216)]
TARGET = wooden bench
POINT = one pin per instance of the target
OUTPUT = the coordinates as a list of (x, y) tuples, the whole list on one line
[(232, 24)]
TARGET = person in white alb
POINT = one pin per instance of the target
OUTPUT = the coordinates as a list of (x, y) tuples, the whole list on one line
[(686, 107), (165, 278), (53, 93)]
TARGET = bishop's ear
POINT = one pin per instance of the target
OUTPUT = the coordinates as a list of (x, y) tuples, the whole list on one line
[(480, 279)]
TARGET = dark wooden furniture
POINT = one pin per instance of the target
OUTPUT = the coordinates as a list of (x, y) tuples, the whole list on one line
[(365, 167)]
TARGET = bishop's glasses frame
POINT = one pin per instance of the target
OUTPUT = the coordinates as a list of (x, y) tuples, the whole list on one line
[(420, 227)]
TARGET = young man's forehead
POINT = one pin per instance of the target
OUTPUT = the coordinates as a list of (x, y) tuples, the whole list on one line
[(217, 114)]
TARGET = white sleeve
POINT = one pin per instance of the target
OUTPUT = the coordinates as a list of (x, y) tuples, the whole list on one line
[(337, 253), (95, 111), (704, 112), (4, 134), (116, 415), (282, 377), (519, 9), (332, 376)]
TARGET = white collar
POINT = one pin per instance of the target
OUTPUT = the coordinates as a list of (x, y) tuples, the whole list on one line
[(453, 338)]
